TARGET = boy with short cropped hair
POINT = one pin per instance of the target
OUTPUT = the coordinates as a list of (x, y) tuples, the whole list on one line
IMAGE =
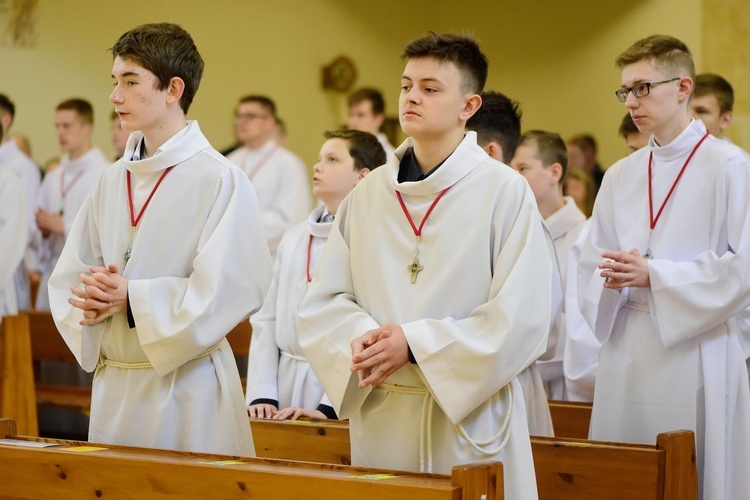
[(170, 251), (427, 375), (498, 125), (663, 271), (64, 190), (367, 113), (712, 103), (280, 382)]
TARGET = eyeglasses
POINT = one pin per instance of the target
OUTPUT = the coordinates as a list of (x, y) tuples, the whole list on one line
[(640, 89), (247, 117)]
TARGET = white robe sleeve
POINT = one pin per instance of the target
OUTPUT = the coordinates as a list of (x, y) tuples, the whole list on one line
[(291, 202), (466, 360), (263, 361), (177, 318), (13, 232)]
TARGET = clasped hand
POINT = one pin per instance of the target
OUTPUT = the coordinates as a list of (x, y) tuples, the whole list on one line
[(624, 269), (378, 353), (104, 293)]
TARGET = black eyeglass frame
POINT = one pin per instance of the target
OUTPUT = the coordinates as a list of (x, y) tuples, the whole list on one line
[(622, 94)]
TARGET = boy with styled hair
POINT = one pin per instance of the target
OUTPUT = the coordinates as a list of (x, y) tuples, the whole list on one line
[(670, 235), (712, 103), (64, 190), (280, 382), (166, 256), (498, 125), (634, 138), (427, 376)]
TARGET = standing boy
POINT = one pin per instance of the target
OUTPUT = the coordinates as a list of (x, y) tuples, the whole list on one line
[(367, 114), (712, 103), (178, 228), (671, 225), (279, 377), (64, 189), (427, 376)]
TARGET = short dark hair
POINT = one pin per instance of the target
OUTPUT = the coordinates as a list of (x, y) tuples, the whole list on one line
[(713, 84), (369, 94), (550, 149), (584, 141), (167, 51), (265, 102), (80, 106), (627, 126), (667, 53), (7, 105), (460, 49), (363, 147), (498, 120)]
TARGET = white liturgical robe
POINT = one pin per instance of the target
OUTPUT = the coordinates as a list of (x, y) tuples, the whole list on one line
[(472, 318), (63, 191), (199, 266), (671, 358), (13, 158), (276, 367), (282, 185), (13, 236)]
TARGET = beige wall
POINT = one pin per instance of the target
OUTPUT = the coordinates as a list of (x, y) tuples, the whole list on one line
[(556, 58)]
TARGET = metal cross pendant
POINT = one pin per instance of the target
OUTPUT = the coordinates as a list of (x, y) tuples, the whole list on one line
[(129, 248), (414, 267), (648, 255)]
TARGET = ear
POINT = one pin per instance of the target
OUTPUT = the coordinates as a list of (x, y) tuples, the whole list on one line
[(684, 89), (175, 89), (380, 119), (495, 151), (556, 171), (473, 103), (725, 120), (362, 174)]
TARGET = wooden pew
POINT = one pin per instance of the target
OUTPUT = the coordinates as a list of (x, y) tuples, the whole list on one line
[(570, 419), (17, 398), (565, 468), (67, 471)]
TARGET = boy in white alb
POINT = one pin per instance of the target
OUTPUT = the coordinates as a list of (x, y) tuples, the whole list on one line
[(542, 158), (427, 306), (278, 176), (64, 189), (178, 228), (663, 271), (280, 381)]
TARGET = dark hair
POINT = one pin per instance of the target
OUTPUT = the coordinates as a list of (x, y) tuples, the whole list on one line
[(80, 106), (584, 142), (668, 54), (363, 147), (550, 148), (265, 102), (369, 94), (7, 105), (460, 49), (498, 120), (167, 51), (712, 84), (627, 126)]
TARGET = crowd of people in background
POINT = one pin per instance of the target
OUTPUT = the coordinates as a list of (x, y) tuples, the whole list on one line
[(624, 312)]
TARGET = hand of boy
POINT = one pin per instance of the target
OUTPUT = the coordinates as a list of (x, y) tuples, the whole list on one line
[(104, 294), (262, 410), (379, 353), (624, 269), (293, 413)]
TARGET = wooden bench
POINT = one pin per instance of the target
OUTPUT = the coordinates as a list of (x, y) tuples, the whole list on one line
[(69, 471), (17, 398), (570, 419), (565, 468)]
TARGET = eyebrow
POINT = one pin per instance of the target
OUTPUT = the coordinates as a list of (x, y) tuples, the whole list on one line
[(127, 74), (436, 80)]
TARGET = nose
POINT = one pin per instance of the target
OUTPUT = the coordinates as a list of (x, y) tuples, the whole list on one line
[(115, 96), (318, 167), (631, 101), (412, 95)]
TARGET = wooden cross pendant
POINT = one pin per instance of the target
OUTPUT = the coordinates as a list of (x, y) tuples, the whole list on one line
[(414, 267)]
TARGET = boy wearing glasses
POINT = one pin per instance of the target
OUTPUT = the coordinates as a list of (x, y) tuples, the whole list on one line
[(430, 288), (279, 177), (663, 272)]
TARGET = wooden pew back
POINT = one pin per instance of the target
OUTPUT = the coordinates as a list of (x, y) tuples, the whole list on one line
[(17, 398), (115, 472), (565, 468), (570, 419)]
